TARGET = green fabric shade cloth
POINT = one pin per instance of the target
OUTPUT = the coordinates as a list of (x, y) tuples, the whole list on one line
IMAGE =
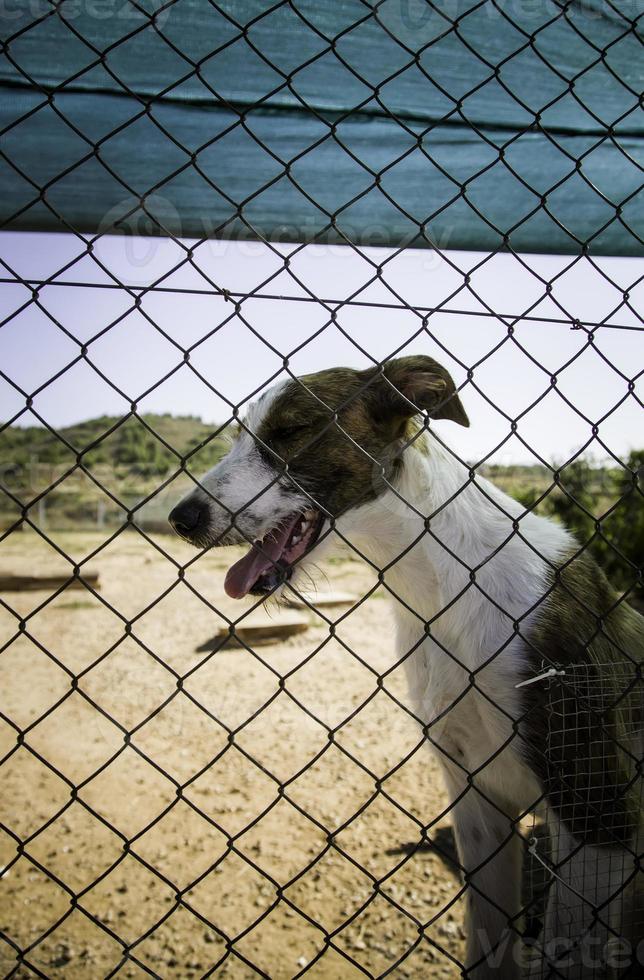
[(466, 125)]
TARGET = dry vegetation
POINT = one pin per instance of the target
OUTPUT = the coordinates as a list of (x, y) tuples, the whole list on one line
[(227, 856)]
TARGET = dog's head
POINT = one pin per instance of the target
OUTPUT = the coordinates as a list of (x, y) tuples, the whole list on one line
[(308, 451)]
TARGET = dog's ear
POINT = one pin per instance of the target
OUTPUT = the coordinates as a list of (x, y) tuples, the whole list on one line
[(409, 385)]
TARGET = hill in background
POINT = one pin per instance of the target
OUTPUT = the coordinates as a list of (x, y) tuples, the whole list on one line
[(123, 466), (131, 445)]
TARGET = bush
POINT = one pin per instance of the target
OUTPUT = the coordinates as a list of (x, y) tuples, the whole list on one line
[(605, 509)]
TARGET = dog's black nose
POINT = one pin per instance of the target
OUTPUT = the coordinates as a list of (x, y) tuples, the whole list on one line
[(189, 518)]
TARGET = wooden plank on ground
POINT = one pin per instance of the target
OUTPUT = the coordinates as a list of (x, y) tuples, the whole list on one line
[(320, 599), (258, 630), (49, 583)]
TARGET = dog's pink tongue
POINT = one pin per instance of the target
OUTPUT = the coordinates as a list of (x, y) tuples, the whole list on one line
[(242, 576)]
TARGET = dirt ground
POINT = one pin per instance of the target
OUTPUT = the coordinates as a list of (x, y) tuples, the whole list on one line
[(203, 821)]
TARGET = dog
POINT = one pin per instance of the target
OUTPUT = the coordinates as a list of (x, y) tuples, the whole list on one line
[(523, 664)]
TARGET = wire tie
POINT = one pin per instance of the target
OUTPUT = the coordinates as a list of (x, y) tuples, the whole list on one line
[(551, 672), (532, 848)]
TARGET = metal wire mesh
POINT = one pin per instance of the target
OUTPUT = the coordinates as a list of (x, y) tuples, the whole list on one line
[(580, 700), (249, 882)]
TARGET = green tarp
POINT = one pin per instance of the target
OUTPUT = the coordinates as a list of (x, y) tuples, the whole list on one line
[(468, 125)]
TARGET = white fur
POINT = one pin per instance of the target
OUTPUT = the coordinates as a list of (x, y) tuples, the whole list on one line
[(470, 623)]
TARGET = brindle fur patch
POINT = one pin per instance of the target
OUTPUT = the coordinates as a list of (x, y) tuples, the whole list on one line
[(357, 422), (582, 730)]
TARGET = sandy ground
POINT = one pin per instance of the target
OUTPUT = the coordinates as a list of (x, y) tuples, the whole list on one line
[(202, 820)]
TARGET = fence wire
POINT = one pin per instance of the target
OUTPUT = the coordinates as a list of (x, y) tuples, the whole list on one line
[(578, 758)]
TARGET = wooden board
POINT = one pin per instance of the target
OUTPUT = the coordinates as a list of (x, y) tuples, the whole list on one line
[(258, 631), (321, 599), (49, 583)]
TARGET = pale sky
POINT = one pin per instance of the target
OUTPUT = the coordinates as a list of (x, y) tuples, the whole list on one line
[(236, 361)]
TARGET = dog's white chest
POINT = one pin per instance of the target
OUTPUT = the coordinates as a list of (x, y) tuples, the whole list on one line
[(469, 714)]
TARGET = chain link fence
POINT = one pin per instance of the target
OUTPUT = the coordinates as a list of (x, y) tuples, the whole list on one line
[(262, 802)]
